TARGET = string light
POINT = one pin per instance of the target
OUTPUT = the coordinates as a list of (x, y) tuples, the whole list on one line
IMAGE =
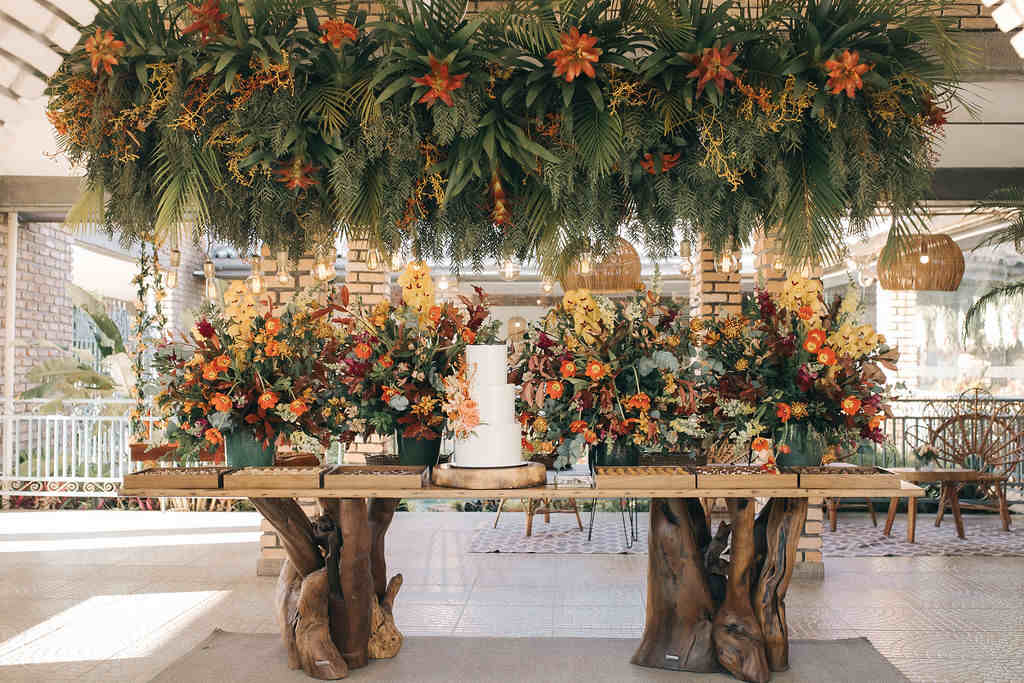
[(509, 270), (283, 277), (686, 252), (585, 264), (171, 275), (255, 281), (443, 283), (727, 262), (547, 285), (396, 261), (210, 282), (323, 268), (373, 260)]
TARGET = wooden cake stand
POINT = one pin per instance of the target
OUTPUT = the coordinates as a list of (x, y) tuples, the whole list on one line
[(490, 478)]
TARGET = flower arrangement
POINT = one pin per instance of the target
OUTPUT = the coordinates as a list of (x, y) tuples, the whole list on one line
[(460, 409), (242, 370), (790, 365), (394, 358), (615, 374), (511, 129)]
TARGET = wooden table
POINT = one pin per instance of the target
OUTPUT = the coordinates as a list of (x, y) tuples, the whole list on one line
[(334, 601), (951, 481)]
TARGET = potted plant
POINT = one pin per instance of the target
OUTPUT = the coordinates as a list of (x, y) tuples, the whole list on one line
[(244, 379), (394, 360), (802, 373), (607, 379)]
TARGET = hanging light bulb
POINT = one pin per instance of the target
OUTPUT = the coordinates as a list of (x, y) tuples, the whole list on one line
[(210, 282), (539, 302), (778, 263), (547, 285), (171, 279), (585, 264), (255, 281), (443, 283), (323, 268), (509, 270), (727, 262), (396, 261), (373, 260), (924, 258), (283, 277), (175, 261), (686, 253), (865, 280)]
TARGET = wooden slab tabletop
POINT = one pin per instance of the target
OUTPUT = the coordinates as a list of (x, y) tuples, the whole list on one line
[(906, 489), (931, 476)]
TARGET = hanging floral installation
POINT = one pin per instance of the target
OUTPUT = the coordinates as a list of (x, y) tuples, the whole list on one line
[(535, 130)]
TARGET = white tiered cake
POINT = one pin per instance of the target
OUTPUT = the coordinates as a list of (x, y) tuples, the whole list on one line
[(497, 441)]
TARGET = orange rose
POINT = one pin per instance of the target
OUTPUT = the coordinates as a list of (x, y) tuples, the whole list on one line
[(214, 436), (272, 326), (363, 351), (220, 403), (590, 436), (435, 313), (805, 313), (210, 372), (468, 335), (222, 362), (297, 407), (386, 361), (851, 404), (577, 426), (568, 369), (761, 444), (555, 389), (596, 370), (267, 400), (783, 412), (272, 348), (827, 356)]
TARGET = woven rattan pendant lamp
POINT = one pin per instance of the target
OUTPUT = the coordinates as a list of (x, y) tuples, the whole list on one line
[(925, 263), (619, 271)]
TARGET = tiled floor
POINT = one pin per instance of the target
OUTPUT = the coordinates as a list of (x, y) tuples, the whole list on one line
[(116, 596)]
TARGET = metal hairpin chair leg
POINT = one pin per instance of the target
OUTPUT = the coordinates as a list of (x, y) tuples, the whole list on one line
[(593, 510)]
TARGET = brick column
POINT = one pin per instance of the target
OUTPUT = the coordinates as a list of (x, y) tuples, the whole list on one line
[(187, 297), (768, 278), (898, 318), (711, 292)]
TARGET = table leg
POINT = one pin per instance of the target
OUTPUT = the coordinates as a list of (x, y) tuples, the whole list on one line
[(576, 509), (891, 517), (529, 517), (833, 513), (954, 503), (943, 495), (911, 518), (1004, 508), (501, 504), (871, 510)]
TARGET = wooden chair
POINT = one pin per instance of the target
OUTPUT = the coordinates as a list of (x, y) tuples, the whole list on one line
[(542, 506), (984, 435)]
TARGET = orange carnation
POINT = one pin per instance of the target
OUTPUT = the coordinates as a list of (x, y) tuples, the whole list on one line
[(297, 407), (851, 404), (220, 403), (363, 351), (596, 370), (268, 399), (568, 369), (555, 389), (761, 444), (783, 411), (827, 356)]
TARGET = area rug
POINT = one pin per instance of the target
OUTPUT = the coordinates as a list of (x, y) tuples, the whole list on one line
[(260, 658), (562, 535), (856, 537)]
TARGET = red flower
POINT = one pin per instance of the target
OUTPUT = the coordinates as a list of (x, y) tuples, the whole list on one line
[(934, 115), (267, 400), (590, 436), (103, 50), (845, 73), (577, 426), (220, 403), (295, 175), (851, 404), (783, 412), (439, 83), (205, 328), (761, 444), (208, 18), (577, 55), (297, 407), (363, 351), (668, 161), (568, 369), (596, 370), (386, 361), (555, 389), (641, 402), (434, 313), (336, 30), (827, 356), (805, 313), (272, 326), (713, 66)]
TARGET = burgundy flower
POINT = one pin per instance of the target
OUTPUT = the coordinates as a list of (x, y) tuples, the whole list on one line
[(786, 346), (764, 301), (205, 328), (876, 435), (544, 341), (805, 378)]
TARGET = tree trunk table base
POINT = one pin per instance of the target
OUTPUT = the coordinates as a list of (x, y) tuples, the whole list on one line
[(334, 602), (704, 613)]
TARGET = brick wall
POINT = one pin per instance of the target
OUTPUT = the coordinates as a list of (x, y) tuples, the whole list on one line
[(711, 292), (182, 301), (44, 309)]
